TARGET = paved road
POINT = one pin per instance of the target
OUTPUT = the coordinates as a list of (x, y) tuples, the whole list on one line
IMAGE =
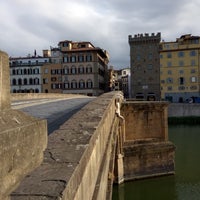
[(55, 111)]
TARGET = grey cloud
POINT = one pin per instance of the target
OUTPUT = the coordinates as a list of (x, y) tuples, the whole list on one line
[(39, 24)]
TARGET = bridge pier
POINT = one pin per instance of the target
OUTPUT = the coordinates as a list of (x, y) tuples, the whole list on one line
[(147, 151), (23, 138)]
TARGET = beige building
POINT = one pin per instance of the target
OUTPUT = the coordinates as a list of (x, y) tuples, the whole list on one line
[(180, 68), (79, 68), (145, 66)]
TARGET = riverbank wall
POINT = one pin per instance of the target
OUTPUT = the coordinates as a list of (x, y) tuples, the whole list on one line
[(184, 113)]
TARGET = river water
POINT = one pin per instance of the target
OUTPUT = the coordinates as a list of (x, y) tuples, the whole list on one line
[(184, 185)]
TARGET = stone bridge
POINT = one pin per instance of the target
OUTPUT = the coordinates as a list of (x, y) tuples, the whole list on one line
[(108, 141)]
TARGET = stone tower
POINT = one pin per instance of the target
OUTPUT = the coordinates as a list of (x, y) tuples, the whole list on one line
[(145, 66)]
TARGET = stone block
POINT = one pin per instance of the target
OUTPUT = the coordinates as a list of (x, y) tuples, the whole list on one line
[(4, 81), (23, 140)]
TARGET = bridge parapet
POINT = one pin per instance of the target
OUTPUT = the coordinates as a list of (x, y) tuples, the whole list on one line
[(23, 138), (78, 161)]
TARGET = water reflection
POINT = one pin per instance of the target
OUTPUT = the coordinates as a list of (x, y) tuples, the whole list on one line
[(185, 185)]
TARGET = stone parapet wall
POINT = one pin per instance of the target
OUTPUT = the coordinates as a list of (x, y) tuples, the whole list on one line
[(23, 138), (77, 159), (183, 109), (25, 96)]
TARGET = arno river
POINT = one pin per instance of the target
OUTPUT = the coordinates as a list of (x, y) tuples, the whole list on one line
[(184, 185)]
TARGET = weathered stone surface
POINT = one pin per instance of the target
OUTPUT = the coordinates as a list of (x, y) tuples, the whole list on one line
[(77, 159), (148, 159), (4, 81), (145, 120), (23, 140)]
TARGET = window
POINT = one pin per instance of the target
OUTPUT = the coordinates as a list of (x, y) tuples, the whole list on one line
[(81, 69), (193, 79), (81, 84), (181, 71), (192, 71), (73, 58), (66, 70), (14, 82), (181, 81), (169, 64), (45, 80), (89, 83), (65, 59), (169, 72), (169, 80), (25, 81), (73, 84), (20, 81), (169, 55), (53, 71), (13, 71), (180, 54), (81, 58), (89, 69), (73, 70), (36, 81), (65, 44), (66, 85), (88, 57), (193, 53), (25, 71)]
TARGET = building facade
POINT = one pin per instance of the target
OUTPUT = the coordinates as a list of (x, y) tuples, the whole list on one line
[(72, 67), (26, 73), (145, 66), (180, 68), (120, 80), (78, 68)]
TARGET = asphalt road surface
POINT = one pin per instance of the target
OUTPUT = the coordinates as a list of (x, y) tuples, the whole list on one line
[(56, 112)]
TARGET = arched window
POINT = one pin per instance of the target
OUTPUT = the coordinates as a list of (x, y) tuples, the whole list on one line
[(19, 81), (66, 70), (14, 82), (25, 71), (74, 84), (81, 84), (30, 81), (36, 91), (89, 83), (36, 81), (81, 69), (25, 82), (66, 85), (73, 70), (89, 69), (29, 71), (14, 91), (13, 72)]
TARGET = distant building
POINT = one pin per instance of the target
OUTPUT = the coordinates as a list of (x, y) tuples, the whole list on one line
[(120, 80), (72, 67), (78, 68), (145, 66), (25, 73), (180, 68)]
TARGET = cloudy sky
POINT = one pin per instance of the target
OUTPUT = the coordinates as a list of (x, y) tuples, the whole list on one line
[(27, 25)]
